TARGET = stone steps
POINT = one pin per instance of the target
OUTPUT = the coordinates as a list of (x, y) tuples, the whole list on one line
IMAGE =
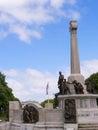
[(88, 127)]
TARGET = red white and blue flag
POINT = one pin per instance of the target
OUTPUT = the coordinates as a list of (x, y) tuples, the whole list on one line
[(47, 87)]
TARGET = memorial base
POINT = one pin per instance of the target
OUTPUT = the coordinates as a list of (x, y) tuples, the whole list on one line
[(86, 109), (70, 127)]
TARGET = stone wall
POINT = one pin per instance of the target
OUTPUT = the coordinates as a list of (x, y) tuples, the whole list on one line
[(13, 105)]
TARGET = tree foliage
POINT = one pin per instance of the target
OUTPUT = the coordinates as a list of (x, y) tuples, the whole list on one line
[(6, 94), (94, 80), (54, 101)]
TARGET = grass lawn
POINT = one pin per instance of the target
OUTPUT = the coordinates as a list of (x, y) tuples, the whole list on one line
[(2, 117)]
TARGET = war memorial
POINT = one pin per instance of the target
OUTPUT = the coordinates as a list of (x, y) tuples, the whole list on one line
[(77, 105)]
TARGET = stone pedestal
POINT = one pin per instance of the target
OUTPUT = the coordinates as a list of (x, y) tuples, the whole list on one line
[(49, 105), (85, 105), (49, 126), (27, 127), (4, 126), (18, 116), (13, 105), (70, 127)]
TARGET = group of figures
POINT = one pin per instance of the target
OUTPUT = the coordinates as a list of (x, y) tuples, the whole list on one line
[(64, 86), (30, 114), (90, 87)]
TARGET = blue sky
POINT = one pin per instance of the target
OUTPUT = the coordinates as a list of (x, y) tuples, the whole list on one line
[(35, 43)]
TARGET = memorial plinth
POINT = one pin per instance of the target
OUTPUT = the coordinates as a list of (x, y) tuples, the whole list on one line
[(81, 108)]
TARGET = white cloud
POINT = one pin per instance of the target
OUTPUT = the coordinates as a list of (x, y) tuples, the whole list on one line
[(59, 3), (31, 84), (71, 1), (11, 73), (25, 17), (89, 67), (75, 15)]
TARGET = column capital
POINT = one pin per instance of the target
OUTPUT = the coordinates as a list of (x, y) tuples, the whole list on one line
[(73, 25)]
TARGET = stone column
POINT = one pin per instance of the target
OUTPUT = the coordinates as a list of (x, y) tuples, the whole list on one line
[(75, 62)]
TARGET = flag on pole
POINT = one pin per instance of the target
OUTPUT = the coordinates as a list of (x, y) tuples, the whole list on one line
[(47, 87)]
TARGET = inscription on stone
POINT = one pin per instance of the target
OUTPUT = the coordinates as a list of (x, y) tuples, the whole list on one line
[(95, 114)]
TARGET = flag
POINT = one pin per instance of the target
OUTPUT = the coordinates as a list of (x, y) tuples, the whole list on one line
[(47, 87)]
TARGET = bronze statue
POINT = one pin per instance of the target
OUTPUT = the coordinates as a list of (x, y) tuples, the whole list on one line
[(60, 82), (66, 89), (63, 86), (70, 111), (90, 87), (78, 87), (30, 114), (26, 117)]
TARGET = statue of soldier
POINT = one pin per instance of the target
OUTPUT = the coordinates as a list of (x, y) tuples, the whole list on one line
[(60, 82), (80, 87), (66, 89)]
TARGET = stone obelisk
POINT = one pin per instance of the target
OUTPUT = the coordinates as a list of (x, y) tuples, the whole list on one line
[(75, 62)]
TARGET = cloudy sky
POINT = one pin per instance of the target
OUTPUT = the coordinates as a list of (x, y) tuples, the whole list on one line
[(35, 43)]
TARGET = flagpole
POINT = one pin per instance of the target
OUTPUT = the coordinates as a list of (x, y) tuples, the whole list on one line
[(47, 92), (48, 99)]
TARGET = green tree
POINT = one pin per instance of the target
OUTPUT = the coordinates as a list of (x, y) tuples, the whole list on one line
[(6, 94), (94, 81)]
